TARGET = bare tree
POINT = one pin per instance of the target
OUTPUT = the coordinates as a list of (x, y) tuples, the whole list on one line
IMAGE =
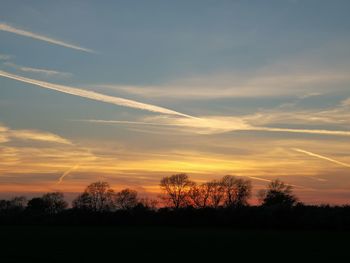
[(4, 205), (228, 183), (50, 203), (54, 202), (16, 204), (200, 194), (83, 202), (176, 188), (217, 193), (277, 194), (244, 191), (237, 191), (149, 203), (97, 197), (36, 205), (126, 199)]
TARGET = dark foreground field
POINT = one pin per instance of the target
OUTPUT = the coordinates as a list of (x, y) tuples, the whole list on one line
[(117, 244)]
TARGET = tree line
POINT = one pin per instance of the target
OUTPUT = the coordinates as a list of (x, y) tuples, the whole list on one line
[(178, 191), (227, 192), (221, 202)]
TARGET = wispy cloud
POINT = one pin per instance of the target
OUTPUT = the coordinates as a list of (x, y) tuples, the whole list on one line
[(38, 136), (262, 84), (321, 157), (3, 134), (7, 134), (336, 115), (5, 57), (202, 125), (21, 32), (43, 163), (94, 95), (300, 75), (45, 72), (346, 102), (216, 125)]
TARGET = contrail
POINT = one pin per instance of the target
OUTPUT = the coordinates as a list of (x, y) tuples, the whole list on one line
[(131, 122), (47, 72), (21, 32), (321, 157), (222, 126), (267, 180), (325, 132), (259, 179), (67, 173), (94, 95)]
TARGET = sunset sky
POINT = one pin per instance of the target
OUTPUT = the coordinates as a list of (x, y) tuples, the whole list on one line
[(130, 91)]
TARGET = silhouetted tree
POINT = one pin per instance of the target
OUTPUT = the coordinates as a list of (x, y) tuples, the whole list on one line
[(36, 204), (54, 202), (83, 202), (176, 188), (217, 193), (50, 203), (277, 194), (16, 204), (244, 191), (199, 195), (97, 197), (148, 203), (237, 191), (126, 199), (3, 205), (180, 191)]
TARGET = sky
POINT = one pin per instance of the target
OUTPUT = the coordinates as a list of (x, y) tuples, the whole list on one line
[(130, 91)]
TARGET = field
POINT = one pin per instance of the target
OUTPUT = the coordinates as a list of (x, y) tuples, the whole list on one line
[(115, 244)]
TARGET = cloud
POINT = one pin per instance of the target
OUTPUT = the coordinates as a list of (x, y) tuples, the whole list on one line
[(333, 116), (262, 84), (346, 102), (94, 95), (46, 72), (6, 134), (21, 32), (45, 163), (216, 125), (301, 75), (202, 125), (123, 162), (37, 136), (3, 137), (5, 57), (321, 157)]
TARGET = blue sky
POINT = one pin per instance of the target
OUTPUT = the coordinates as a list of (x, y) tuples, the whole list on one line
[(241, 84)]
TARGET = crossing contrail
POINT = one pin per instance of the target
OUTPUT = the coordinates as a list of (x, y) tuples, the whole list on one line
[(94, 95), (321, 157), (21, 32)]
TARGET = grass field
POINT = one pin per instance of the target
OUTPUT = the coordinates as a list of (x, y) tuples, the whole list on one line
[(115, 244)]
